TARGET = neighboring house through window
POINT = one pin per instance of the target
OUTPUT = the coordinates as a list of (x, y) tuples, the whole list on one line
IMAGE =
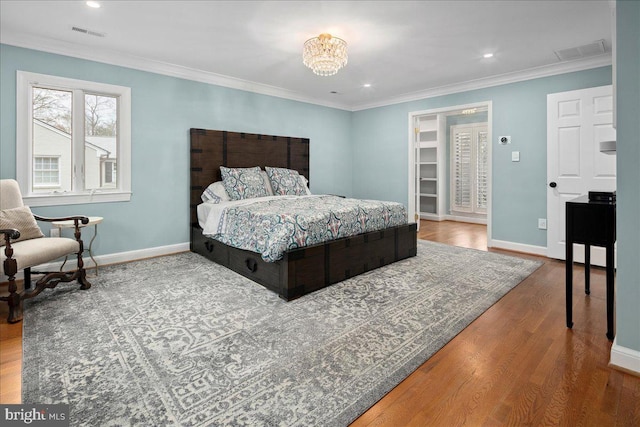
[(74, 140)]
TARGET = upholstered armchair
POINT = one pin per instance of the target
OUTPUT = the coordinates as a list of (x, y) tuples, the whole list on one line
[(23, 246)]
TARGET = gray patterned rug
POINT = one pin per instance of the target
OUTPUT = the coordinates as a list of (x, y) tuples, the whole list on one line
[(179, 340)]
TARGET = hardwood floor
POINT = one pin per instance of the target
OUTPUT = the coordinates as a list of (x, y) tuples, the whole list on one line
[(517, 364)]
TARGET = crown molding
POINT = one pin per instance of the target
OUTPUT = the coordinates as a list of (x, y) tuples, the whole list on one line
[(110, 57), (498, 80), (144, 64)]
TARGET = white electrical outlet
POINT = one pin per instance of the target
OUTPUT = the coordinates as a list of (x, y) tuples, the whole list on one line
[(542, 223)]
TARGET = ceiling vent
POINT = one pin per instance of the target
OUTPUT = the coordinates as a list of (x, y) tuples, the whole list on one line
[(89, 32), (573, 53)]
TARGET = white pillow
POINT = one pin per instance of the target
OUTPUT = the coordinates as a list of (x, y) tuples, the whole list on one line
[(305, 183), (267, 184), (215, 193)]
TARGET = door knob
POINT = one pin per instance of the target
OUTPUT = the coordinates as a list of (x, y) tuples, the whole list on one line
[(553, 184)]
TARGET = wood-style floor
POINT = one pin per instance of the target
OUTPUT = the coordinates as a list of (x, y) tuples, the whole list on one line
[(517, 364)]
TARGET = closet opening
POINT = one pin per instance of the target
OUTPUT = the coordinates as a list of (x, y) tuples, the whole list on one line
[(450, 164)]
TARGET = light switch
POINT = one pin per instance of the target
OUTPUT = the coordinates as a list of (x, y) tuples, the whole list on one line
[(515, 156)]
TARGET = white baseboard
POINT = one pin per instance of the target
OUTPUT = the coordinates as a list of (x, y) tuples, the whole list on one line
[(120, 257), (625, 358), (518, 247)]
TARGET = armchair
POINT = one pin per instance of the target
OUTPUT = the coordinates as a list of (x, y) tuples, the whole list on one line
[(23, 246)]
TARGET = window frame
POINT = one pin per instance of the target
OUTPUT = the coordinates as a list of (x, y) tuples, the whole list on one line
[(25, 82)]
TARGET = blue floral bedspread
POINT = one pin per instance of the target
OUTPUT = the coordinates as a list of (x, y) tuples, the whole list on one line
[(274, 225)]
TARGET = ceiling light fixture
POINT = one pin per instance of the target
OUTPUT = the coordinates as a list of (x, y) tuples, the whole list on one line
[(325, 54), (367, 85), (93, 4), (488, 55)]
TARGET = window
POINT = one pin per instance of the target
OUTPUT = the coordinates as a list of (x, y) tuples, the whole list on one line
[(110, 173), (46, 172), (73, 140), (469, 169)]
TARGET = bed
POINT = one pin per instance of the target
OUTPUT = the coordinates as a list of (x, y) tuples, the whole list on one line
[(298, 271)]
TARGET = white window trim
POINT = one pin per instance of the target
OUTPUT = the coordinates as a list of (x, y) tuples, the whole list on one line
[(25, 82)]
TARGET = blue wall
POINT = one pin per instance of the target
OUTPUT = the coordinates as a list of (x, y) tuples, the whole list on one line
[(519, 190), (163, 110), (628, 166)]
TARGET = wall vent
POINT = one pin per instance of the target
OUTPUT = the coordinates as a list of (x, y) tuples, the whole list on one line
[(89, 32), (579, 52)]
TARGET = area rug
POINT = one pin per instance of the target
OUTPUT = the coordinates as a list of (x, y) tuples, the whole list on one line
[(179, 340)]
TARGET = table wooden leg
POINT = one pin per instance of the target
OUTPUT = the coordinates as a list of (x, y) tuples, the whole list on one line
[(569, 282), (610, 290), (587, 269)]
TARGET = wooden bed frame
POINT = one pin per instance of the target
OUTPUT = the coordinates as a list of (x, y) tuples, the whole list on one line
[(302, 270)]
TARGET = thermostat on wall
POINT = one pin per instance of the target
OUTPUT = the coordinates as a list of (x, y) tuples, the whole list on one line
[(504, 140)]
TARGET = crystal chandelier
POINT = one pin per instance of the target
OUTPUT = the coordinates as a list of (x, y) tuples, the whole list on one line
[(325, 54)]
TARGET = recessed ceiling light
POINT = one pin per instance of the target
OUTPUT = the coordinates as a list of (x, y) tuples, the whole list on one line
[(93, 4), (488, 55), (366, 85)]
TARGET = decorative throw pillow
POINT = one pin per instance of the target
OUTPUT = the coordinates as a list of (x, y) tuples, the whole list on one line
[(286, 182), (22, 220), (243, 183), (215, 193)]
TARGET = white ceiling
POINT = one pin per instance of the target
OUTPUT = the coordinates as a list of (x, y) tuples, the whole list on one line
[(404, 49)]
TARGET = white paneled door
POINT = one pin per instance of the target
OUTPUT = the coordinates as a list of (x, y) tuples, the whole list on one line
[(577, 122)]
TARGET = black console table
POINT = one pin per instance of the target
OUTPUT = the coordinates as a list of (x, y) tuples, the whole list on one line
[(591, 223)]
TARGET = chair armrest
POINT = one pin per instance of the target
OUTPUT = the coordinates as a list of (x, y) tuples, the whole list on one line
[(10, 233), (81, 218)]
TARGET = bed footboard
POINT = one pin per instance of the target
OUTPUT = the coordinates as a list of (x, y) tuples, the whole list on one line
[(305, 270)]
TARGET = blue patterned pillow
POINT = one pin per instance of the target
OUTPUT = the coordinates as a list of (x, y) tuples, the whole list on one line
[(285, 182), (243, 183)]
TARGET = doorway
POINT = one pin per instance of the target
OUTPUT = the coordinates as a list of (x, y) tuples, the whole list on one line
[(421, 124)]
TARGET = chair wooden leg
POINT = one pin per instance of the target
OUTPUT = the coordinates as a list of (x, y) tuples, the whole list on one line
[(27, 278), (15, 303), (82, 273), (82, 279), (14, 300)]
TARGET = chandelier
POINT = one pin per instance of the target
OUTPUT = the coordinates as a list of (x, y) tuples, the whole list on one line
[(325, 54)]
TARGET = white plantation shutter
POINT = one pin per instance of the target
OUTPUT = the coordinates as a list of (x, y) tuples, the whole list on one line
[(481, 172), (469, 168), (462, 154)]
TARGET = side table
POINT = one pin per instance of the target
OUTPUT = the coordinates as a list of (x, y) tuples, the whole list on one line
[(93, 220), (593, 224)]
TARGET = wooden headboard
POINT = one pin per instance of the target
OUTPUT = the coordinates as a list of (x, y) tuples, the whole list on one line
[(211, 149)]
